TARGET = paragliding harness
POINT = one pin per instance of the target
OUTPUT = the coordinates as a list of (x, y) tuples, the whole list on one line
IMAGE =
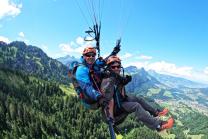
[(85, 99)]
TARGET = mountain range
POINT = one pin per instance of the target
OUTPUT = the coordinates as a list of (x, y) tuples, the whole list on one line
[(66, 60), (176, 82), (171, 81), (165, 87), (31, 60)]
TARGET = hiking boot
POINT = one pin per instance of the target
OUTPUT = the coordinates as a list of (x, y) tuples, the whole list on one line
[(166, 124), (163, 112)]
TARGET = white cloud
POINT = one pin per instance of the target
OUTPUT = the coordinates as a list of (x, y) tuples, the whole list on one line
[(144, 57), (206, 70), (80, 41), (125, 56), (8, 8), (21, 34), (164, 67), (170, 68), (75, 48), (174, 70), (72, 43), (67, 48), (199, 76), (137, 64), (4, 39), (21, 37)]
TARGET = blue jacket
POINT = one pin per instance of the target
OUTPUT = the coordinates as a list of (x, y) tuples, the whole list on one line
[(83, 77)]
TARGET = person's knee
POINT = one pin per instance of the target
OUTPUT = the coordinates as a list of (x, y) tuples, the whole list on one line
[(139, 111), (140, 99), (138, 107)]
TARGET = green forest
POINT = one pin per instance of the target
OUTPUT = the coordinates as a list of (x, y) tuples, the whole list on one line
[(34, 108)]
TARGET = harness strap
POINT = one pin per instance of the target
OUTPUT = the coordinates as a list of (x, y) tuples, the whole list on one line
[(93, 77), (116, 93)]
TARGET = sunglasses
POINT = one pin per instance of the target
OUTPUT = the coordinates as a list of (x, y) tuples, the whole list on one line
[(90, 55), (114, 67)]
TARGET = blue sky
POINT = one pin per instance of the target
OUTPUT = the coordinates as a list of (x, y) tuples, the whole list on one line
[(169, 36)]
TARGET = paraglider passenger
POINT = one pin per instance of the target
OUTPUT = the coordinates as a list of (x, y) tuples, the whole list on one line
[(121, 105)]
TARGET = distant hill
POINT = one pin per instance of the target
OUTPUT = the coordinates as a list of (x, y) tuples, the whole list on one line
[(31, 60), (131, 70), (176, 82), (141, 81), (66, 60), (149, 85)]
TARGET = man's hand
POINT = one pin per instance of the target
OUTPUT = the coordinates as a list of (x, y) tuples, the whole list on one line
[(123, 80), (115, 50), (126, 79)]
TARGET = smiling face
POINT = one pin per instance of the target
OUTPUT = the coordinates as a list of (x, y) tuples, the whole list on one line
[(115, 67), (89, 58)]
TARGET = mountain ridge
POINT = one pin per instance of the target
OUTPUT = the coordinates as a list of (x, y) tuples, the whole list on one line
[(31, 60), (174, 81), (66, 60)]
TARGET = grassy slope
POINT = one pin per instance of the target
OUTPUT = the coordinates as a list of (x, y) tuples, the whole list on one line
[(69, 90), (178, 109), (153, 91)]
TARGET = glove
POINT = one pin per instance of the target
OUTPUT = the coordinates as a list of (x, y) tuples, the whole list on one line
[(126, 79), (102, 101), (115, 50)]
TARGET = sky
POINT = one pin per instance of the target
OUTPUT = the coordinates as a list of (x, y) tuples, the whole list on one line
[(168, 36)]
